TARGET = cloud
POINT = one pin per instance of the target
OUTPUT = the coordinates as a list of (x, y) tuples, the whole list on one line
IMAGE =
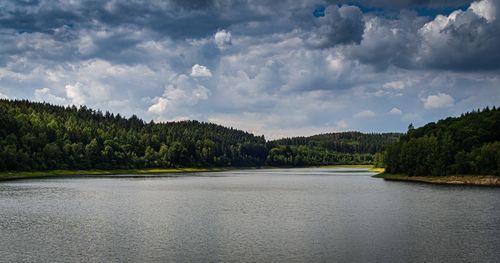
[(411, 117), (364, 114), (44, 94), (179, 97), (76, 94), (200, 71), (394, 85), (341, 125), (288, 71), (440, 100), (223, 39), (463, 40), (395, 111), (159, 106), (338, 25), (485, 9), (389, 42), (407, 4), (259, 122)]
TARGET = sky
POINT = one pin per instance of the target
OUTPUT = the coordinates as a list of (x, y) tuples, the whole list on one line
[(277, 68)]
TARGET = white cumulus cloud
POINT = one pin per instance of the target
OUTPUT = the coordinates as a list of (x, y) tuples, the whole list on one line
[(485, 9), (223, 39), (440, 100), (179, 97), (395, 111), (45, 94), (76, 94), (159, 106), (365, 114), (395, 85), (200, 71)]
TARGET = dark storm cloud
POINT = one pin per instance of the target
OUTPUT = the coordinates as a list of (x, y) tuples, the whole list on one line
[(469, 42), (79, 30), (389, 42), (249, 63), (69, 22), (46, 17), (466, 40), (43, 16), (410, 3), (173, 19), (194, 4), (338, 25)]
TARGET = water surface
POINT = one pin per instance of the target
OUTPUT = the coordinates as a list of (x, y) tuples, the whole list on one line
[(279, 215)]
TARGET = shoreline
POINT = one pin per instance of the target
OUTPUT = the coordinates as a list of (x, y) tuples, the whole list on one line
[(150, 172), (470, 180)]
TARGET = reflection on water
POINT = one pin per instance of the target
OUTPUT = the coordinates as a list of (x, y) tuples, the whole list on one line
[(284, 215)]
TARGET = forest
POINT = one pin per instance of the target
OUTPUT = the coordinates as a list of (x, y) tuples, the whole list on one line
[(469, 144), (330, 148), (41, 136)]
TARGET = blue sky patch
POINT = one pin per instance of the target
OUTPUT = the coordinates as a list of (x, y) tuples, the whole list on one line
[(319, 11)]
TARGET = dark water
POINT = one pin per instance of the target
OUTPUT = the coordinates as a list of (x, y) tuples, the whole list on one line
[(294, 215)]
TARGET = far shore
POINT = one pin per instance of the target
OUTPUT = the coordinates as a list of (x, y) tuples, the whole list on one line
[(478, 180), (152, 172), (7, 176)]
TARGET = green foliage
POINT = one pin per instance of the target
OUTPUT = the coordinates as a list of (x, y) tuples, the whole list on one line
[(343, 142), (378, 160), (330, 149), (39, 136), (469, 144)]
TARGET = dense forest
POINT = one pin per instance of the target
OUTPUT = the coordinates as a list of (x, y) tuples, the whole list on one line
[(330, 148), (469, 144), (40, 136)]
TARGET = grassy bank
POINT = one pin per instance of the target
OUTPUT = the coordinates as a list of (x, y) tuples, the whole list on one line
[(377, 170), (362, 166), (53, 173), (347, 166), (481, 180)]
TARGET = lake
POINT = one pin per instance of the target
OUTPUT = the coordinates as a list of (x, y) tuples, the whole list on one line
[(277, 215)]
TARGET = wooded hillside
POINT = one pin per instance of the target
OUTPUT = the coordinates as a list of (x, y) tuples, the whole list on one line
[(469, 144), (330, 148), (37, 136), (40, 136)]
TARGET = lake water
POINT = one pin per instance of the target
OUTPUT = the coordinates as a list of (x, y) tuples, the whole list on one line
[(289, 215)]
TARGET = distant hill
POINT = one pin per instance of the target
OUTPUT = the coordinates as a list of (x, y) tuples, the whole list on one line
[(469, 144), (39, 136), (344, 142), (330, 148)]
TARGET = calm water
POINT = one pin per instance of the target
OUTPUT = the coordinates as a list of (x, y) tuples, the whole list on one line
[(292, 215)]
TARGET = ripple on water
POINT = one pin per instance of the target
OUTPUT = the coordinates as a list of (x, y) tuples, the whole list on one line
[(283, 215)]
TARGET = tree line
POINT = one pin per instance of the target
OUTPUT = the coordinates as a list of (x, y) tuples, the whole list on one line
[(344, 142), (330, 148), (41, 136), (469, 144)]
